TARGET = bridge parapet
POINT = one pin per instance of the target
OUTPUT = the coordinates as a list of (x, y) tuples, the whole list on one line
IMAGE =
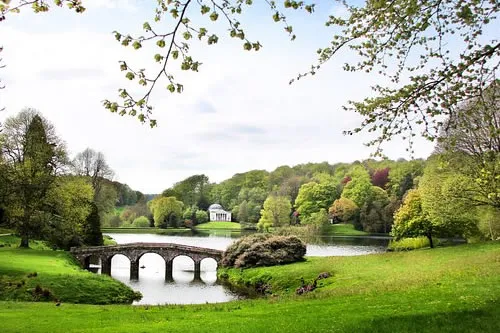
[(134, 251)]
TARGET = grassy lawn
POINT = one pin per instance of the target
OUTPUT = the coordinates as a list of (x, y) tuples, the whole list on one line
[(219, 225), (145, 231), (22, 270), (451, 289), (342, 229)]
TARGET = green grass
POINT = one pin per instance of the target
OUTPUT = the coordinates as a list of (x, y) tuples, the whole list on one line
[(450, 289), (219, 225), (145, 231), (108, 240), (57, 272), (343, 229)]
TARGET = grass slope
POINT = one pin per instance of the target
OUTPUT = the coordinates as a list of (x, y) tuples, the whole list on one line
[(219, 225), (344, 230), (57, 272), (145, 231), (453, 289)]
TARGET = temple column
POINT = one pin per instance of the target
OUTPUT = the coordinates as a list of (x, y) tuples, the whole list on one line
[(105, 265), (169, 270), (134, 269), (197, 270)]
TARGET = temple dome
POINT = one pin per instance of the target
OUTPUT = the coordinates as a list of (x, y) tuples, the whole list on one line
[(214, 207)]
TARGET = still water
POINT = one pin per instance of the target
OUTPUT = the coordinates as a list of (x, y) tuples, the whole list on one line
[(185, 289)]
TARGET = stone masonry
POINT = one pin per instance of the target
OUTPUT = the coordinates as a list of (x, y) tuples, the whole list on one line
[(135, 251)]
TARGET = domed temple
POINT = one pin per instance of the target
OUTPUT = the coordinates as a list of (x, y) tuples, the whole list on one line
[(217, 213)]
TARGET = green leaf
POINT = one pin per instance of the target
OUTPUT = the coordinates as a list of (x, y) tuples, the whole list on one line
[(130, 76), (161, 43), (214, 16), (136, 45)]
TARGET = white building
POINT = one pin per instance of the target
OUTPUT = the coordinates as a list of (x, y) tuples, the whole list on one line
[(217, 213)]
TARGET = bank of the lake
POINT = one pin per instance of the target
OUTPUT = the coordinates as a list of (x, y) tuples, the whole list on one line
[(450, 289), (40, 273)]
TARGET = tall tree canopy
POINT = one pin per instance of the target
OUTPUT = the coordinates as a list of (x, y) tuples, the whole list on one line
[(34, 154)]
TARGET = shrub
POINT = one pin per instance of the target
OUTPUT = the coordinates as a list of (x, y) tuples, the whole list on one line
[(264, 250), (407, 244), (141, 222)]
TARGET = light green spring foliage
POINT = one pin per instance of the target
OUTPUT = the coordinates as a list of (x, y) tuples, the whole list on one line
[(315, 196), (410, 243), (163, 207), (489, 222), (410, 220), (276, 212), (201, 216), (344, 209), (359, 188), (445, 48), (70, 197), (141, 222), (441, 193), (318, 220)]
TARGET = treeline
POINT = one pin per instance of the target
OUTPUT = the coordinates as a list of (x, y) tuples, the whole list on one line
[(45, 194), (454, 193), (374, 189)]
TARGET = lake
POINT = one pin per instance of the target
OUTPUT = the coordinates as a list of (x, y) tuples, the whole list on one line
[(187, 290)]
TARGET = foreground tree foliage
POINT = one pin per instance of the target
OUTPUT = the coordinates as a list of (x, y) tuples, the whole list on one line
[(435, 54), (263, 250)]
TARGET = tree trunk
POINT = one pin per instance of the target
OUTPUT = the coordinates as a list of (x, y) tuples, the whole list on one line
[(24, 241), (429, 236)]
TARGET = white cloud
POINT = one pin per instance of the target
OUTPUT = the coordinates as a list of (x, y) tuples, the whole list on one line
[(238, 113)]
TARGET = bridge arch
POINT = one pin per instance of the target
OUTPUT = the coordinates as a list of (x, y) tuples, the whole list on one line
[(135, 251)]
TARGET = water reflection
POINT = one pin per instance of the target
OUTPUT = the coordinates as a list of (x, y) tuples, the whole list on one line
[(185, 289)]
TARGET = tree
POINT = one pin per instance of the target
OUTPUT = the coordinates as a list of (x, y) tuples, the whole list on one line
[(69, 214), (192, 191), (166, 211), (470, 145), (141, 222), (443, 201), (201, 216), (359, 188), (34, 154), (344, 210), (380, 177), (243, 212), (314, 196), (411, 220), (318, 220), (276, 212), (92, 164), (374, 217), (92, 234)]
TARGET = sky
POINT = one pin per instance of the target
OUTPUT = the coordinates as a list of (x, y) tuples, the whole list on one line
[(238, 113)]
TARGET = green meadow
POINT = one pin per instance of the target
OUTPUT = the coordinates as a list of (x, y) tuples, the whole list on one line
[(448, 289)]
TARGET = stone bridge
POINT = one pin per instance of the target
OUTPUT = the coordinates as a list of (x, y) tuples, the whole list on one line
[(135, 251)]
